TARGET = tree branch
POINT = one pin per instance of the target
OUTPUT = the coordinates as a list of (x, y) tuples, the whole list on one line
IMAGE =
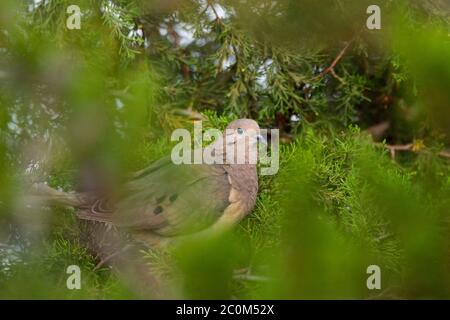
[(393, 148), (333, 64)]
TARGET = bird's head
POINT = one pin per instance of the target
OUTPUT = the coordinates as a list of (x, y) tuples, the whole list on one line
[(240, 129), (241, 140), (245, 124)]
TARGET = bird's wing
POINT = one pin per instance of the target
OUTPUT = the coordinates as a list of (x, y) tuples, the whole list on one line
[(174, 199)]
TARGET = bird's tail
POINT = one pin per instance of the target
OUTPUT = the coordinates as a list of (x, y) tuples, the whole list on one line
[(88, 208), (47, 194)]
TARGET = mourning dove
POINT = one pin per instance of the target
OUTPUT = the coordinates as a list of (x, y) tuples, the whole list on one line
[(167, 201)]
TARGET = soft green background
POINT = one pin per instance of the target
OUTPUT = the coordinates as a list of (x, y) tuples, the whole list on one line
[(104, 99)]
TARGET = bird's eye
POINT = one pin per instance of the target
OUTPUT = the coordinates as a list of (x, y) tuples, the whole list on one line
[(240, 130)]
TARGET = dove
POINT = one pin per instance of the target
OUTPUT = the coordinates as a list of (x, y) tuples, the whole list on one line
[(168, 201)]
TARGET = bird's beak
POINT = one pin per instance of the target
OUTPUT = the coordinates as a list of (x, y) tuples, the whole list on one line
[(261, 139)]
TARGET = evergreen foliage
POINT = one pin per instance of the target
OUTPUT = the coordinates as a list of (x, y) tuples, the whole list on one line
[(364, 119)]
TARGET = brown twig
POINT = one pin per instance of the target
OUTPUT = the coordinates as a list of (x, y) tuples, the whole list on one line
[(393, 148), (444, 154), (330, 68), (334, 74), (378, 130), (211, 5)]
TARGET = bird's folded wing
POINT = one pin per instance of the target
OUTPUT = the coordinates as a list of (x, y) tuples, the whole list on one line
[(174, 199)]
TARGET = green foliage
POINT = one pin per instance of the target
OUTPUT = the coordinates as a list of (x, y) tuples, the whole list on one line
[(375, 208), (89, 106)]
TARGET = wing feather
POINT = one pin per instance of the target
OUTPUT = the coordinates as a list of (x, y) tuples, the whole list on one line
[(174, 199)]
